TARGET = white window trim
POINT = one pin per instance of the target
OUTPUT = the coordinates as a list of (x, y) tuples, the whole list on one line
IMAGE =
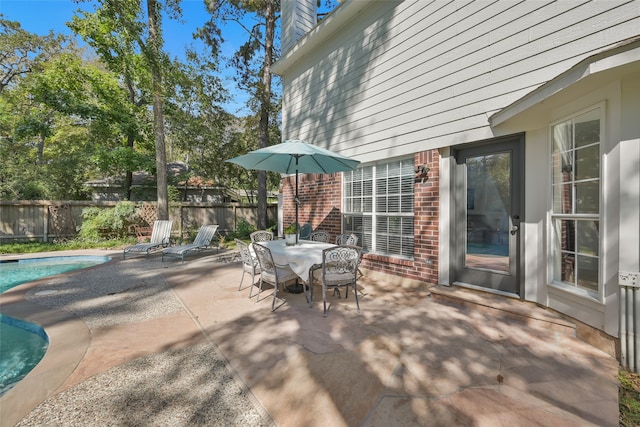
[(594, 297), (373, 215)]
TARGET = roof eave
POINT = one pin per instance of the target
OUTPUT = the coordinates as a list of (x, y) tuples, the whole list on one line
[(344, 13), (624, 53)]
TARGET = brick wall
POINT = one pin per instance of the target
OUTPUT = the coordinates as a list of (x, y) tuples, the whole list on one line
[(424, 266), (320, 202)]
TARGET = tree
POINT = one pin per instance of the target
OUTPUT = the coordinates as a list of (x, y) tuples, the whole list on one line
[(253, 61), (133, 47), (22, 52), (55, 117), (40, 144), (154, 47), (264, 96), (93, 99), (197, 124), (253, 74)]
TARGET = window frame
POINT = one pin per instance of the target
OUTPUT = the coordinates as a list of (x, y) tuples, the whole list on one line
[(369, 237), (554, 243)]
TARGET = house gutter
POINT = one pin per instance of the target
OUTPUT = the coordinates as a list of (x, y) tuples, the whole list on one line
[(341, 16)]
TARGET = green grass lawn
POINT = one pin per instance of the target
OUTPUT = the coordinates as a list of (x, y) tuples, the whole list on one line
[(629, 399), (30, 248)]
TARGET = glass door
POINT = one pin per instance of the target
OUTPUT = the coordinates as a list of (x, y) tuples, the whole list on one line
[(488, 212)]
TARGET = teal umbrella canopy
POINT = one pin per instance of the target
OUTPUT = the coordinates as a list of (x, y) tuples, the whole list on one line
[(295, 156)]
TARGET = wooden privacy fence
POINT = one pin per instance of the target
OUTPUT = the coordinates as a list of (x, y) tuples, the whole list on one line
[(45, 220)]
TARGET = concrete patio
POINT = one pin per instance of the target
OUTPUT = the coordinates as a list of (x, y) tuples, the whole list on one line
[(142, 342)]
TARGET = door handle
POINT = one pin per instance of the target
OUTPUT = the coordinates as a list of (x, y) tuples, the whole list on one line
[(515, 229)]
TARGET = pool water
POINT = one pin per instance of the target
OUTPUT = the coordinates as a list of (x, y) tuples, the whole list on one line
[(14, 273), (488, 249), (23, 344)]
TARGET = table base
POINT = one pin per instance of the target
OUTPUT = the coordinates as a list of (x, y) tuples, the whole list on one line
[(296, 288)]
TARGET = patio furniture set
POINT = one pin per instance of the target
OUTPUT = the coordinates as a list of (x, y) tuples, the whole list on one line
[(310, 262)]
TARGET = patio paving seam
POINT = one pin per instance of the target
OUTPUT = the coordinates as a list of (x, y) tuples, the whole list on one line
[(228, 366)]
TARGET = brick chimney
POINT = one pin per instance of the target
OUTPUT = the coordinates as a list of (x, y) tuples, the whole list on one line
[(298, 18)]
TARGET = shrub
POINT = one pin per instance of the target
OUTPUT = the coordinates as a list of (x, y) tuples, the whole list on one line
[(112, 223), (32, 191), (173, 193), (243, 230)]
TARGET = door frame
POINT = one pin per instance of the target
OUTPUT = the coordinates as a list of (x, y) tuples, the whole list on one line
[(515, 144)]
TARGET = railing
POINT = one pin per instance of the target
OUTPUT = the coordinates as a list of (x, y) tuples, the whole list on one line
[(32, 220)]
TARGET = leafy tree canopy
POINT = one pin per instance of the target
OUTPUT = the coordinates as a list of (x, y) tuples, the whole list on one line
[(70, 115)]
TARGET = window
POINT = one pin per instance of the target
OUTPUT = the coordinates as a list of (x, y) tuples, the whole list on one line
[(576, 201), (378, 207)]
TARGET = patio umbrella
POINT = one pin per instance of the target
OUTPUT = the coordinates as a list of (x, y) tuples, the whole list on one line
[(295, 156)]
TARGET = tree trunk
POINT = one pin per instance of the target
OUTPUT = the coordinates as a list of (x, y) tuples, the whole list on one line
[(128, 180), (158, 114), (265, 108), (40, 155)]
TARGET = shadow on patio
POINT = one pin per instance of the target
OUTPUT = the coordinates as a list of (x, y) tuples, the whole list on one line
[(161, 334)]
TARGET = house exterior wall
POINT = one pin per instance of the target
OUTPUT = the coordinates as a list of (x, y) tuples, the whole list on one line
[(415, 78), (617, 96), (461, 62), (299, 18), (321, 205), (320, 200), (629, 175)]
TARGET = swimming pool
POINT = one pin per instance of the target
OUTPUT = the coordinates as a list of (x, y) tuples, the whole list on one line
[(17, 272), (24, 344)]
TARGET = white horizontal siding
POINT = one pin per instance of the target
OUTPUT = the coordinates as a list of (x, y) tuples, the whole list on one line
[(428, 74), (381, 91), (299, 17)]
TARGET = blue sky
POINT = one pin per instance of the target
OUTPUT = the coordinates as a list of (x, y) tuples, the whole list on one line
[(40, 16)]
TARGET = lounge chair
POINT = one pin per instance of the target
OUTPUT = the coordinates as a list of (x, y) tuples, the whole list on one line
[(202, 241), (160, 237)]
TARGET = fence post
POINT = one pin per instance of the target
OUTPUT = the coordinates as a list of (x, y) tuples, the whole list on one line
[(45, 237), (235, 218), (181, 222)]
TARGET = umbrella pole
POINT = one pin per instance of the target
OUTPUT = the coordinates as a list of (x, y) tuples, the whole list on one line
[(297, 203), (296, 288)]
